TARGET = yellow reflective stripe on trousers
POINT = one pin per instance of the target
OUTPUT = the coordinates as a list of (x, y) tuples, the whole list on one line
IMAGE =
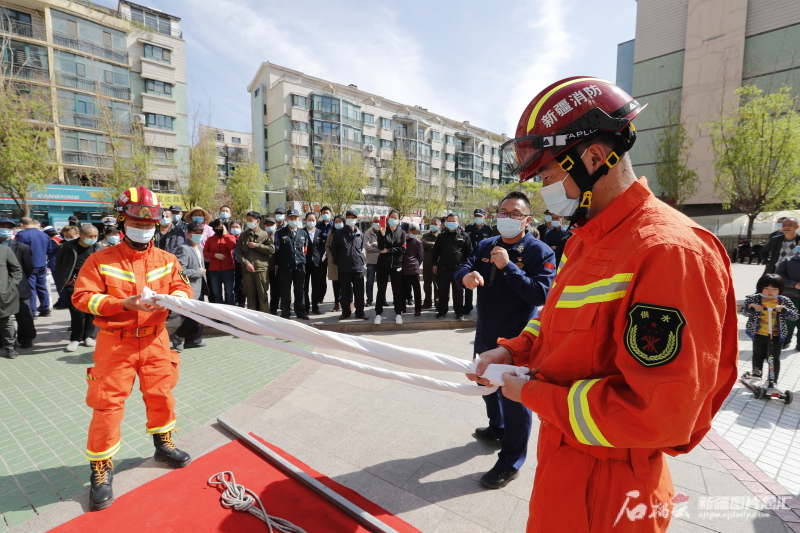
[(103, 455), (533, 327), (94, 303), (159, 272), (604, 290), (118, 273), (164, 429), (580, 417)]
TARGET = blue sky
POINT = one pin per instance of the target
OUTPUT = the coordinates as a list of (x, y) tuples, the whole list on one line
[(469, 60)]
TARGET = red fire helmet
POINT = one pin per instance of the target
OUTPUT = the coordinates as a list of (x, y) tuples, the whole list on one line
[(139, 204), (566, 113)]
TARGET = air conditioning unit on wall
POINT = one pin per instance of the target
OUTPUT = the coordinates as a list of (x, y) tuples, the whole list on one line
[(138, 119)]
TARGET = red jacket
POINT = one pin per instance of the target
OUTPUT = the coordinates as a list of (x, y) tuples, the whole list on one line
[(224, 245)]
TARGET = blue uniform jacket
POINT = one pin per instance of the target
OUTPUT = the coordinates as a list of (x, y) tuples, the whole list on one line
[(39, 243), (506, 308)]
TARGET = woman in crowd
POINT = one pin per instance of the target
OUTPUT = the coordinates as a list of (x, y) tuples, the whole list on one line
[(392, 246)]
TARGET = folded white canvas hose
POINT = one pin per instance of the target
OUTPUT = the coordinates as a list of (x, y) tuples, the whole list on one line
[(266, 329)]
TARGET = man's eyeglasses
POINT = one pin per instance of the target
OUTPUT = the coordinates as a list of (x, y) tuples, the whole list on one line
[(516, 215)]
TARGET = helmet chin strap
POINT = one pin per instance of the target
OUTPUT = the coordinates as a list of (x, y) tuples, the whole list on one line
[(571, 162)]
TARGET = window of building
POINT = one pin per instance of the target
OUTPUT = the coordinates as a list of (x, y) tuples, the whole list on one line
[(220, 151), (236, 140), (302, 151), (450, 157), (325, 105), (495, 152), (79, 141), (435, 136), (152, 51), (300, 102), (163, 154), (450, 173), (369, 120), (68, 25), (158, 87), (436, 154), (255, 94), (162, 186), (219, 137), (386, 123), (369, 139), (16, 16), (19, 53), (265, 134), (449, 139), (495, 167), (328, 130), (299, 126), (162, 122), (151, 20), (386, 144), (435, 172)]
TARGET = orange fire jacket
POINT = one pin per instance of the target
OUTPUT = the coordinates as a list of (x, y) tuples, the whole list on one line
[(114, 273), (637, 344)]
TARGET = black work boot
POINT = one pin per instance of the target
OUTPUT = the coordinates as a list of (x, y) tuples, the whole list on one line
[(101, 495), (166, 451)]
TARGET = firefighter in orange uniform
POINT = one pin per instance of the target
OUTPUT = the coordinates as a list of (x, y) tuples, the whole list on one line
[(636, 347), (132, 340)]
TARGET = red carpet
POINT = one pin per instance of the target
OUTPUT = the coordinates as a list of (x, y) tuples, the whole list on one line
[(183, 501)]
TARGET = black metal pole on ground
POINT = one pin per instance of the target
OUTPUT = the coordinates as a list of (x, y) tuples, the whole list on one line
[(366, 519)]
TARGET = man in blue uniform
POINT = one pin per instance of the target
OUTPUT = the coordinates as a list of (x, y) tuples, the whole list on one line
[(512, 273), (291, 246), (477, 231), (325, 228)]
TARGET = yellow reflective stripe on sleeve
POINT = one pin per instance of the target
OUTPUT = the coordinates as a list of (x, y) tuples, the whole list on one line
[(533, 327), (159, 272), (164, 429), (604, 290), (538, 107), (180, 294), (94, 303), (118, 273), (99, 456), (580, 417)]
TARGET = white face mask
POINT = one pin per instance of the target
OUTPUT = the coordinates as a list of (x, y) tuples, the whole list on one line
[(555, 196), (142, 236), (508, 227)]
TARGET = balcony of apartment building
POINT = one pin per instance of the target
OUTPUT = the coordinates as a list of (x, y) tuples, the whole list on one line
[(25, 61), (81, 83), (21, 24), (86, 159), (89, 47)]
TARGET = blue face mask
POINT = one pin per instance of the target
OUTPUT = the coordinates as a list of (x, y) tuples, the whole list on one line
[(6, 233), (89, 242), (548, 218), (338, 225), (350, 221), (176, 218), (270, 229), (251, 225), (293, 223), (199, 219), (310, 224), (451, 225), (280, 218), (224, 216), (556, 223), (113, 239), (479, 220), (393, 222), (197, 237), (434, 228), (376, 226), (326, 217), (236, 231)]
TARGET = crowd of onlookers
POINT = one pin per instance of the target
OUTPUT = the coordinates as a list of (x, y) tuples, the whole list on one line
[(278, 263)]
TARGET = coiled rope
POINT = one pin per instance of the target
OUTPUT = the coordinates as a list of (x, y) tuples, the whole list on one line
[(243, 499)]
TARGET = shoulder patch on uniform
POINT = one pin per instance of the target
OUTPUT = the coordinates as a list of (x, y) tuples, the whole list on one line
[(183, 276), (653, 333)]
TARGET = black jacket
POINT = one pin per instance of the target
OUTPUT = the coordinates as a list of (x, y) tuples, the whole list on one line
[(290, 250), (770, 254), (172, 240), (451, 248), (346, 249), (316, 248), (65, 262), (478, 233), (394, 242), (23, 253)]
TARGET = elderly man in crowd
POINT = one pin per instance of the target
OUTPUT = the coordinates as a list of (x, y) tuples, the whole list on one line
[(255, 249), (781, 246), (168, 236), (39, 244)]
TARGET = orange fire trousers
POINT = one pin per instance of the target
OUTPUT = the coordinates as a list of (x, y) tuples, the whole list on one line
[(118, 360), (591, 489)]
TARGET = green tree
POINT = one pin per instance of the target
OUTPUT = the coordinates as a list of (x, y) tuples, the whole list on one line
[(343, 177), (433, 196), (203, 179), (676, 181), (403, 194), (756, 149), (244, 188)]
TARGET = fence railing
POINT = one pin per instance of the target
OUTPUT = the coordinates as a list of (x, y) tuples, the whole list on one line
[(162, 28), (65, 118), (25, 72), (90, 47), (23, 29), (83, 84), (87, 160)]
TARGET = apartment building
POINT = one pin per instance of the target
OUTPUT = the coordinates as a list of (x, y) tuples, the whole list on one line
[(233, 148), (293, 114), (128, 60), (689, 56)]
